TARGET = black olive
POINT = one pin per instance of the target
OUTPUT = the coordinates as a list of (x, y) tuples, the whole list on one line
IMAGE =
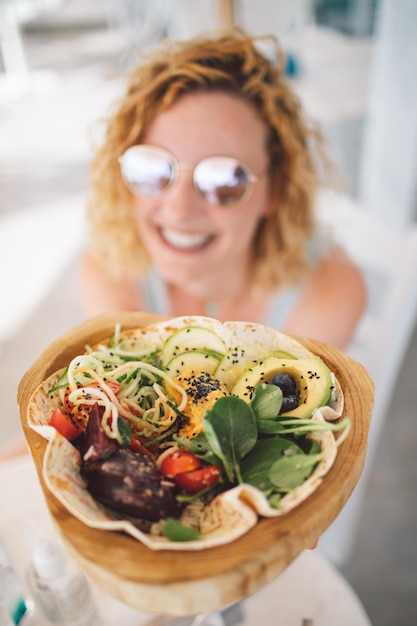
[(286, 383), (289, 403)]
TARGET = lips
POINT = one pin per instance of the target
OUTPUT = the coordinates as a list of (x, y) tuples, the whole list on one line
[(185, 241)]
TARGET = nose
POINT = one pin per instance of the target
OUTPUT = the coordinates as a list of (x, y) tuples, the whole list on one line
[(181, 199)]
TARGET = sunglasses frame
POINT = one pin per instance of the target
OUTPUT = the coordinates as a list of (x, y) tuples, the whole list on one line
[(177, 166)]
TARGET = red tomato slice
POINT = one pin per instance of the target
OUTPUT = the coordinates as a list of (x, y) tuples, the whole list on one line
[(178, 462), (199, 479), (61, 421)]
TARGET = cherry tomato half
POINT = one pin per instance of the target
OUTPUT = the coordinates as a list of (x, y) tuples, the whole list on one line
[(199, 479), (178, 462), (61, 421)]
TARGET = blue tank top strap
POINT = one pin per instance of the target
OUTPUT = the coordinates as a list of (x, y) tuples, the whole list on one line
[(280, 306)]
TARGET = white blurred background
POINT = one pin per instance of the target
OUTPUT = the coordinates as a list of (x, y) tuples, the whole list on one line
[(353, 65)]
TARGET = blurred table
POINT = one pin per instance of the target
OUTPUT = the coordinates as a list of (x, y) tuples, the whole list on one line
[(310, 588)]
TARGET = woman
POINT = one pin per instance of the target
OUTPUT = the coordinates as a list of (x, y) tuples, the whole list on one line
[(203, 198)]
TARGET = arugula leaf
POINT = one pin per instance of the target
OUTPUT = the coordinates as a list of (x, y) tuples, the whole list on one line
[(175, 531), (271, 427), (266, 402), (256, 466), (230, 428), (275, 500), (289, 472), (198, 445)]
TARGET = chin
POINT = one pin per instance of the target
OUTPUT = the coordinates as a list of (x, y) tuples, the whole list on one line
[(177, 266), (179, 274)]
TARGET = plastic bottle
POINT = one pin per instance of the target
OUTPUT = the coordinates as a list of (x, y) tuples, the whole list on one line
[(14, 608), (60, 591)]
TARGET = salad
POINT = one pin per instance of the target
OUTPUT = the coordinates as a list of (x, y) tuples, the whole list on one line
[(186, 432)]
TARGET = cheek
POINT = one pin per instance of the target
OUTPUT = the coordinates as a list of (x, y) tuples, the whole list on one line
[(141, 211), (241, 225), (257, 207)]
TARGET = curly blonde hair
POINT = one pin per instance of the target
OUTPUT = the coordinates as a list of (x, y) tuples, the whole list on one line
[(229, 62)]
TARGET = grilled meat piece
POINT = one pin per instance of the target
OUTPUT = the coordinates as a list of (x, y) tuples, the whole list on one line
[(131, 483), (96, 444)]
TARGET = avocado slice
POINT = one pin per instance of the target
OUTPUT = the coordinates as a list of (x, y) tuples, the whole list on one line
[(312, 377), (236, 360)]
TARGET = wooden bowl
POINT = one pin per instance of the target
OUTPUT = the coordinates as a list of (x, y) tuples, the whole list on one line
[(185, 582)]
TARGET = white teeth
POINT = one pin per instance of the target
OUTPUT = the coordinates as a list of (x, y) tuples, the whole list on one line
[(184, 240)]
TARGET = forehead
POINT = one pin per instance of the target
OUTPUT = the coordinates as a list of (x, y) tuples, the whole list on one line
[(204, 123)]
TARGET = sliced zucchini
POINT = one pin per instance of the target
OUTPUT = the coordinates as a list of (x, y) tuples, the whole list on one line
[(191, 338), (193, 360)]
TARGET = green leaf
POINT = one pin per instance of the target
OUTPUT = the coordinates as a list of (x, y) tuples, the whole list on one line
[(289, 472), (295, 426), (256, 466), (125, 433), (275, 500), (175, 531), (266, 402), (198, 445), (230, 427), (271, 427)]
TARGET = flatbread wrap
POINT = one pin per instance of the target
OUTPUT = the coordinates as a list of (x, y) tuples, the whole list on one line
[(189, 430)]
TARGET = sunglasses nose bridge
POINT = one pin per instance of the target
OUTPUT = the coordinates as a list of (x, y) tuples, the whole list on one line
[(182, 167), (189, 181), (181, 193)]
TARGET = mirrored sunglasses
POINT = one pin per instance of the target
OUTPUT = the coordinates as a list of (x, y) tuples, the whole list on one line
[(221, 180)]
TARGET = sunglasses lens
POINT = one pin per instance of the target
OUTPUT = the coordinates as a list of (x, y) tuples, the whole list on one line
[(221, 180), (145, 170)]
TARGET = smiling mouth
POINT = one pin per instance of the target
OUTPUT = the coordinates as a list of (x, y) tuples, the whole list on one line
[(185, 241)]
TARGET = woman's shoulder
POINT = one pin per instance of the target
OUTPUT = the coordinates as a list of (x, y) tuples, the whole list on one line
[(333, 300), (336, 270)]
